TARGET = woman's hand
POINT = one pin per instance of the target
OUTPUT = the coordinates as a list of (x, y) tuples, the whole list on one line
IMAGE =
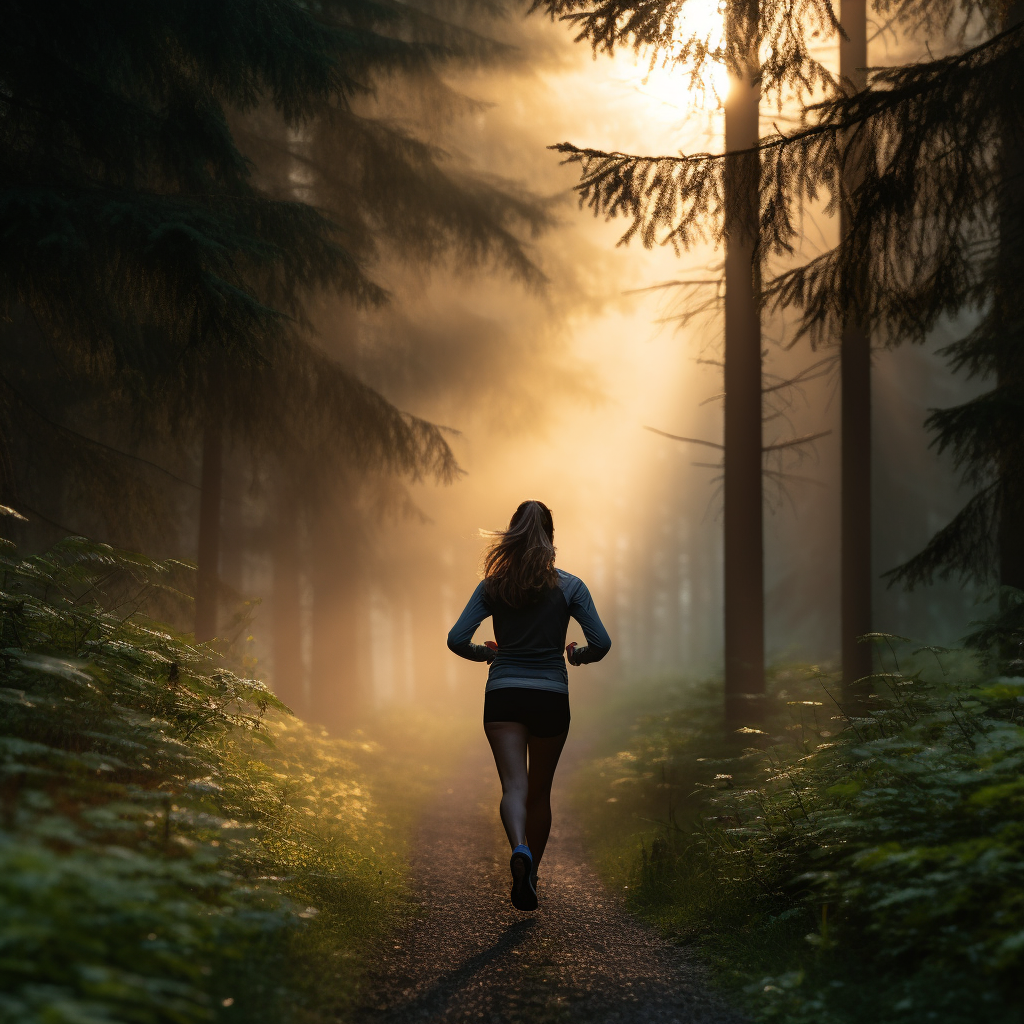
[(490, 643), (570, 651)]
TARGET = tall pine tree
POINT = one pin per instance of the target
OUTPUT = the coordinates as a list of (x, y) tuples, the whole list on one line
[(934, 230), (742, 486), (856, 577), (666, 205)]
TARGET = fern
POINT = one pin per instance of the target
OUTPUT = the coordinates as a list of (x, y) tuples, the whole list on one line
[(167, 853)]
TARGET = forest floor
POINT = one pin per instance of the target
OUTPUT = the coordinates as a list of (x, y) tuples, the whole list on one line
[(469, 956)]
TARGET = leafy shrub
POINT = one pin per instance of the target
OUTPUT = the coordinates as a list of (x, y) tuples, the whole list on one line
[(876, 873), (173, 848)]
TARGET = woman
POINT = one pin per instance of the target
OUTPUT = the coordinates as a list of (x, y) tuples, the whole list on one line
[(526, 700)]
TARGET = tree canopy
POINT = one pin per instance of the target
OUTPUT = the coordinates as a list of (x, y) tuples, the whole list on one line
[(178, 181)]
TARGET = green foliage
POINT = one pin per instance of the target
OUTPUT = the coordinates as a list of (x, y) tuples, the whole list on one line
[(865, 869), (173, 848)]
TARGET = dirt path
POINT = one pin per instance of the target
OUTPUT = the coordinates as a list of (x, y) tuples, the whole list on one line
[(472, 957)]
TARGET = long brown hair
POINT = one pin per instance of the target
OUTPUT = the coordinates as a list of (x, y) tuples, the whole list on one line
[(520, 565)]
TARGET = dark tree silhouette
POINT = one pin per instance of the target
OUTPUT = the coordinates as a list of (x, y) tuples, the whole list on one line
[(855, 573), (742, 484), (934, 230), (168, 220), (986, 435), (138, 246)]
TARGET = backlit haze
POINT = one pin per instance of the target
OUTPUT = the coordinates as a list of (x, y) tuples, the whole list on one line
[(550, 388)]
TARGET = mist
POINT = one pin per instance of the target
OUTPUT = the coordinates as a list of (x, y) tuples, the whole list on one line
[(548, 388), (544, 367)]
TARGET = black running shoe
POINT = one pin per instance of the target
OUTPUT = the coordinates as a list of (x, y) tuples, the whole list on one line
[(524, 895)]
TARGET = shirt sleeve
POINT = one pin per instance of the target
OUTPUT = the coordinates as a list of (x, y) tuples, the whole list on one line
[(581, 608), (461, 635)]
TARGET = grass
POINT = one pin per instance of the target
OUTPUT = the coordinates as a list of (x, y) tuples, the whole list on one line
[(334, 842)]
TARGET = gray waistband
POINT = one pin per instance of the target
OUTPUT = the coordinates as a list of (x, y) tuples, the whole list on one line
[(554, 685)]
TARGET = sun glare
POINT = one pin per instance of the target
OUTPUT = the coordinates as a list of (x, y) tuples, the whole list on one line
[(680, 78)]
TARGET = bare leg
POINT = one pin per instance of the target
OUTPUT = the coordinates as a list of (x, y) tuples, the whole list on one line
[(508, 744), (544, 754)]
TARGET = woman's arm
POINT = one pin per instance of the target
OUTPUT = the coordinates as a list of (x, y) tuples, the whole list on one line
[(581, 608), (460, 638)]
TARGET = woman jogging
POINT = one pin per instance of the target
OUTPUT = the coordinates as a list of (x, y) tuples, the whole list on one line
[(526, 701)]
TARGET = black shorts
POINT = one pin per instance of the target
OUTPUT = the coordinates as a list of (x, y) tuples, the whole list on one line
[(545, 713)]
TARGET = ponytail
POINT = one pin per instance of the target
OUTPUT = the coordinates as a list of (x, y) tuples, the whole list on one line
[(520, 565)]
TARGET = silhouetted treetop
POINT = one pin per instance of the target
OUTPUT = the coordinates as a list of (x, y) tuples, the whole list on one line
[(786, 31), (923, 213)]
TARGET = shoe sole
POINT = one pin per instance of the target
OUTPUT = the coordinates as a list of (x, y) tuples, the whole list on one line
[(524, 897)]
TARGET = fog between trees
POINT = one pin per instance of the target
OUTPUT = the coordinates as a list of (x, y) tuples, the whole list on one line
[(548, 353)]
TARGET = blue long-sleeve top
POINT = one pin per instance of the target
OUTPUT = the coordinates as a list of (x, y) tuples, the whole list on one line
[(531, 640)]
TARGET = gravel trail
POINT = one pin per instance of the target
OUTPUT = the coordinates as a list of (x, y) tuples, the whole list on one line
[(471, 957)]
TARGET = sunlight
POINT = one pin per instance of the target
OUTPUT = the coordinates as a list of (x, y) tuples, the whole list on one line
[(679, 79)]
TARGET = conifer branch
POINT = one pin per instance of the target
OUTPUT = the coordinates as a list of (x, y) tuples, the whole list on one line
[(79, 437), (794, 442), (783, 27), (967, 546), (690, 440)]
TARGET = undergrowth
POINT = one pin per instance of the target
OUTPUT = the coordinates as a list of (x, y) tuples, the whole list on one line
[(174, 847), (834, 868)]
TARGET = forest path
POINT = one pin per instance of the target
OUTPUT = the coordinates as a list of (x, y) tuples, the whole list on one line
[(471, 957)]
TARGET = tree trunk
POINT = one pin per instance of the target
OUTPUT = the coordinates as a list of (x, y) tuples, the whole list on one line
[(337, 696), (209, 512), (233, 528), (287, 618), (856, 576), (1010, 371), (744, 539)]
